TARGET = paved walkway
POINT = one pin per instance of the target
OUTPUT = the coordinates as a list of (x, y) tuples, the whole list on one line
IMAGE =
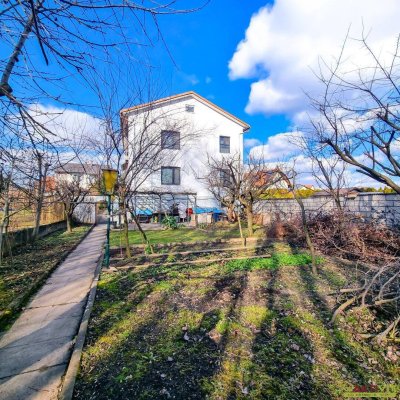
[(35, 352)]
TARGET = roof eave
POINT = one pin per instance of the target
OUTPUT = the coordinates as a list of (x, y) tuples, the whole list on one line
[(246, 127)]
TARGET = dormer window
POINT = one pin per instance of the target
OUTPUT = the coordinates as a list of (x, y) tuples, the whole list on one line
[(190, 108)]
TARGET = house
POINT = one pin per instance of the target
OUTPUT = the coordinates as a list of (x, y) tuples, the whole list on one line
[(189, 129), (350, 193), (86, 174), (271, 179), (301, 186)]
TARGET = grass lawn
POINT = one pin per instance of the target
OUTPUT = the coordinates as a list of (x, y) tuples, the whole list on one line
[(24, 272), (230, 330), (178, 235)]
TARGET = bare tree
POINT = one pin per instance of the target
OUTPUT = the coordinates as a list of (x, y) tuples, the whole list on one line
[(230, 179), (289, 175), (79, 40), (327, 168), (358, 115), (71, 191), (15, 196), (41, 168), (223, 181), (357, 118)]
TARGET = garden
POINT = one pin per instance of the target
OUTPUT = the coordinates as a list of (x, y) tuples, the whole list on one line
[(213, 319)]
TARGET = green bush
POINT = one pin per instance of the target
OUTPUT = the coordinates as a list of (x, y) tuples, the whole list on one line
[(170, 222)]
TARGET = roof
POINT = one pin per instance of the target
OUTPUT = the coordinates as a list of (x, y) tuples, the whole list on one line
[(195, 95), (266, 177), (78, 168), (307, 186)]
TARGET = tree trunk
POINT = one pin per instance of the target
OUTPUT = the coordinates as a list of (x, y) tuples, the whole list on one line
[(4, 224), (307, 234), (241, 230), (249, 215), (126, 229), (1, 244), (336, 199), (69, 223), (5, 88), (143, 233), (231, 213), (40, 197)]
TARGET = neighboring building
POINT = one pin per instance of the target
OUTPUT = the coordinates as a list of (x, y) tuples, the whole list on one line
[(300, 186), (271, 179), (190, 129), (345, 192), (86, 174)]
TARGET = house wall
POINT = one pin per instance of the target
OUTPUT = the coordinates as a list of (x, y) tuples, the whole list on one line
[(85, 180), (202, 129), (380, 207)]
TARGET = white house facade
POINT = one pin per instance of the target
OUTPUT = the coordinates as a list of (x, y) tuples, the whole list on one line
[(189, 129), (84, 174)]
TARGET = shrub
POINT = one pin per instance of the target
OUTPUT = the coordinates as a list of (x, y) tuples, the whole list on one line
[(170, 222)]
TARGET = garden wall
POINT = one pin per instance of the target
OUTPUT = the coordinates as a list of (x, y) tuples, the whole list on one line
[(86, 213), (24, 236), (380, 207)]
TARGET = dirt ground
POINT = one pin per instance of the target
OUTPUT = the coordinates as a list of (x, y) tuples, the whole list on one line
[(228, 330)]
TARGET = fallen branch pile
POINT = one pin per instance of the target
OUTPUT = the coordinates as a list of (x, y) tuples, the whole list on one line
[(371, 244)]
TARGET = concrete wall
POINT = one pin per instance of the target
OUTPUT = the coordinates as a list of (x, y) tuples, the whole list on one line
[(85, 213), (380, 207), (24, 236)]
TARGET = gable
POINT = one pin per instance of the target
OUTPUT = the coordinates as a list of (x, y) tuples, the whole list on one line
[(181, 98)]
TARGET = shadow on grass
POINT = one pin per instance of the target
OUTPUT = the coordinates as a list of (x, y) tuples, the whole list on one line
[(341, 349), (164, 351), (283, 355)]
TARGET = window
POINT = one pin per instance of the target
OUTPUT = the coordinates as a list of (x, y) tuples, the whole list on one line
[(224, 144), (225, 177), (189, 108), (170, 176), (170, 140)]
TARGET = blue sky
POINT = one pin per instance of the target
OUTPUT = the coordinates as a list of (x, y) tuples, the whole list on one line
[(256, 59), (198, 49), (202, 45)]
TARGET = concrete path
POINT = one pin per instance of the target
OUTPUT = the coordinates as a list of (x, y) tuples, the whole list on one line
[(35, 352)]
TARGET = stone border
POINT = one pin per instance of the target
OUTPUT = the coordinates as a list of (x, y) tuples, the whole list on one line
[(68, 382)]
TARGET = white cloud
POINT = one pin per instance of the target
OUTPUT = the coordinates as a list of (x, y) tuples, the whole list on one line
[(284, 43), (251, 142), (192, 79), (281, 150), (67, 125), (278, 147), (208, 79)]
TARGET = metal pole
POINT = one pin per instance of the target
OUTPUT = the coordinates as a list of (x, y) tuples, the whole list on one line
[(107, 255)]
